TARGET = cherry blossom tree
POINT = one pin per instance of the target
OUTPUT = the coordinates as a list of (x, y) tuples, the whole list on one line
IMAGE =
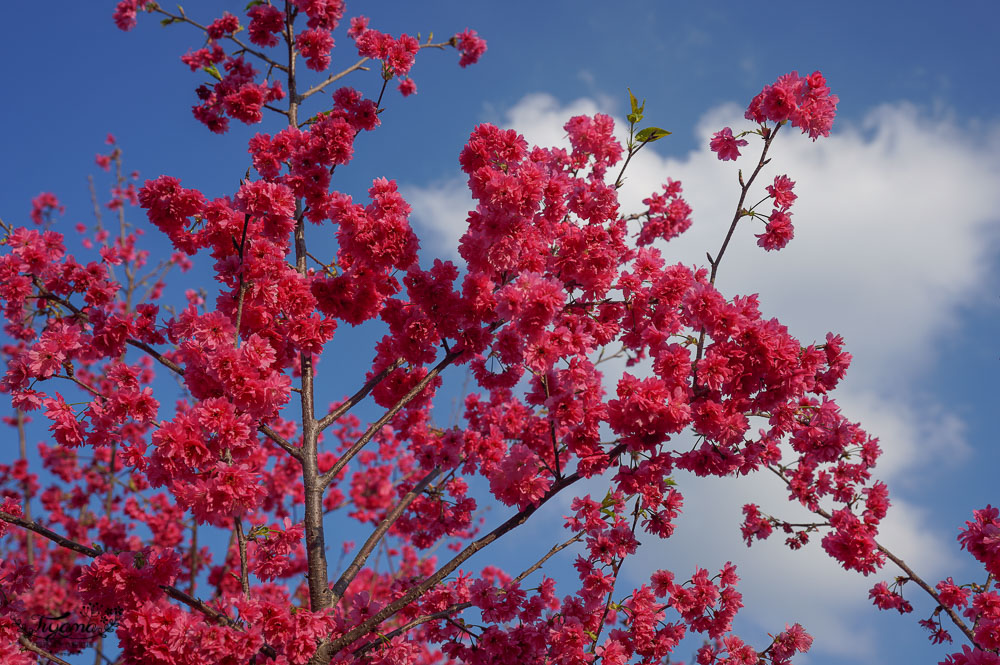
[(178, 528)]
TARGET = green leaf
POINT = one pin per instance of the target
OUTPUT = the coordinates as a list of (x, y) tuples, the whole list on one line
[(316, 117), (167, 21), (650, 134), (259, 531), (636, 115), (632, 101), (213, 72), (254, 3)]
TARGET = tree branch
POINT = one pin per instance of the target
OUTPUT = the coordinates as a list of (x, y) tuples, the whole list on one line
[(62, 541), (374, 428), (340, 587), (25, 642), (384, 639), (714, 262), (328, 649), (548, 555), (333, 77), (355, 67), (157, 356), (743, 196), (93, 553), (182, 18), (955, 619), (241, 539), (241, 289), (25, 487), (357, 397), (458, 607), (294, 451)]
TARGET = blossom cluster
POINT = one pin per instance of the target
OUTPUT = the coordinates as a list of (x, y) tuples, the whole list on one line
[(804, 101), (552, 272)]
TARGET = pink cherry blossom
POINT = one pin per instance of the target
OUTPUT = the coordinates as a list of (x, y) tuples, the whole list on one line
[(241, 512), (725, 145)]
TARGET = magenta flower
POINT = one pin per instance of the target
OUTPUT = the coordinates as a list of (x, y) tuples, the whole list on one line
[(725, 145)]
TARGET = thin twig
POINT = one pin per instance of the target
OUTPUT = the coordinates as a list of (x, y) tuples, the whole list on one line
[(333, 77), (631, 153), (737, 215), (616, 566), (280, 440), (195, 558), (332, 647), (957, 620), (376, 426), (34, 648), (340, 587), (739, 206), (157, 356), (388, 637), (276, 110), (360, 65), (555, 550), (356, 398), (243, 47), (30, 525)]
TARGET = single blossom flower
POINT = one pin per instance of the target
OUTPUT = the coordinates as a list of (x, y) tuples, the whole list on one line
[(725, 145)]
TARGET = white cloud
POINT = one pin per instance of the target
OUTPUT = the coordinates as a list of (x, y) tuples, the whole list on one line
[(439, 214), (894, 235)]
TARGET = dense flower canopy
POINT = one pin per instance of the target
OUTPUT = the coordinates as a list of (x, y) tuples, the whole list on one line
[(554, 280)]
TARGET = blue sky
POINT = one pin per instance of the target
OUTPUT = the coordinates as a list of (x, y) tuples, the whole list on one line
[(896, 226)]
